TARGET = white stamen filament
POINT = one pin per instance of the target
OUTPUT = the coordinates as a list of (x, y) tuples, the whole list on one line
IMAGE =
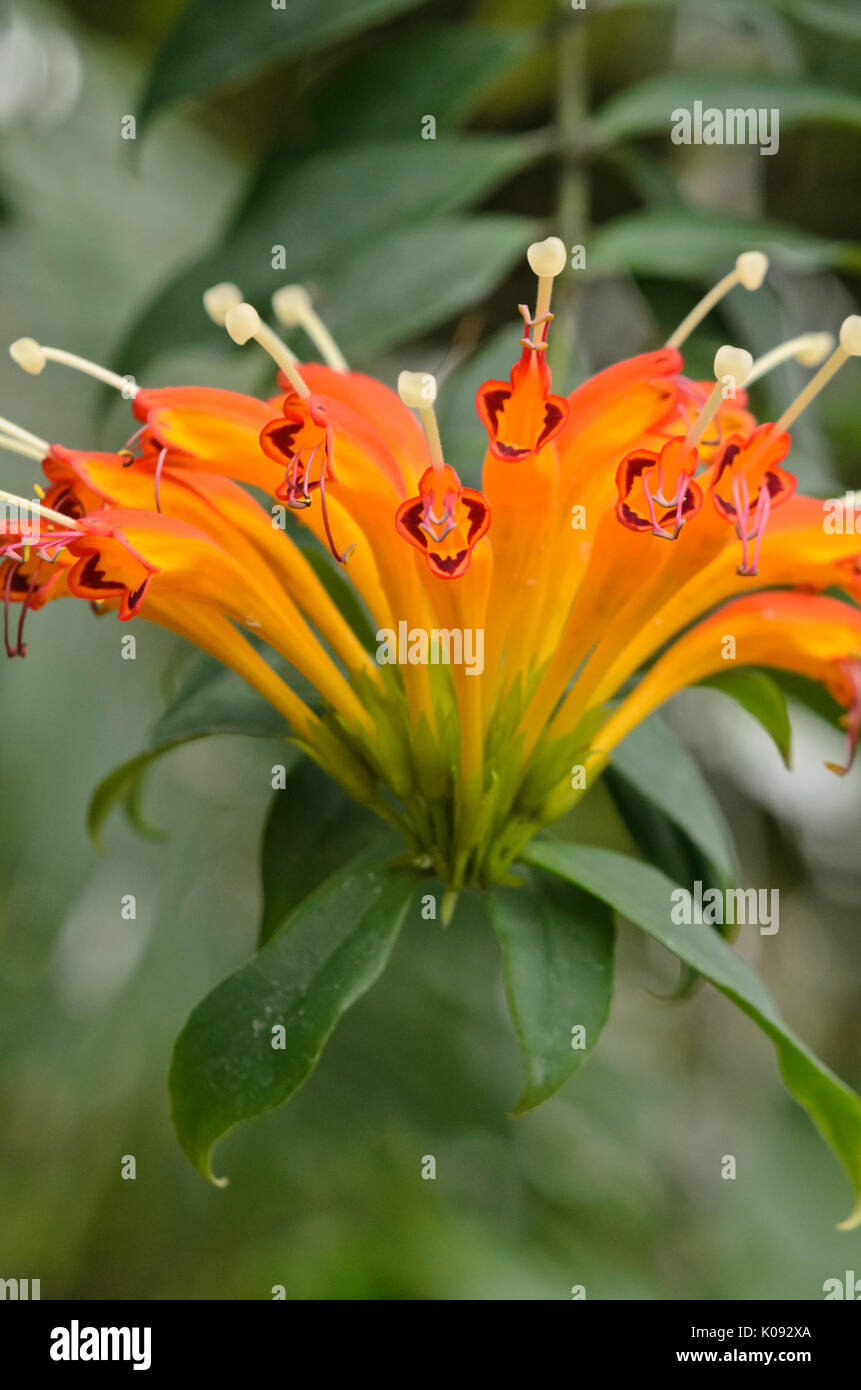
[(243, 323), (218, 299), (293, 309), (418, 391), (41, 446), (17, 446), (32, 356), (809, 350), (35, 508), (849, 346), (750, 270), (730, 362), (547, 259)]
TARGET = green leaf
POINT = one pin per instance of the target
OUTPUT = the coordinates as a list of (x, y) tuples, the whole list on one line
[(688, 243), (442, 72), (214, 701), (647, 106), (762, 697), (653, 761), (327, 954), (841, 18), (423, 181), (644, 895), (313, 826), (813, 695), (416, 278), (557, 952), (221, 40)]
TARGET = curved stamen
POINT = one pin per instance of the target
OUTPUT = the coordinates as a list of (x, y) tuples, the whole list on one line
[(7, 599), (342, 559), (25, 608), (809, 349), (17, 446), (157, 481), (683, 492), (126, 453), (32, 356), (852, 672), (657, 529), (40, 446), (37, 509), (541, 345), (750, 271), (760, 521), (849, 346), (243, 323), (293, 309), (730, 364), (218, 299)]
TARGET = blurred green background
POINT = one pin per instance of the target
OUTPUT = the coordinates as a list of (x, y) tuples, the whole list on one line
[(303, 129)]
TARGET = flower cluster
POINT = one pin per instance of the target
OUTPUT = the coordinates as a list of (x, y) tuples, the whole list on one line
[(589, 623)]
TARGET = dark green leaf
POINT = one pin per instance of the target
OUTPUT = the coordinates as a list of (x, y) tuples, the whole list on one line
[(557, 952), (647, 107), (653, 761), (692, 242), (313, 827), (213, 701), (644, 895), (423, 181), (221, 40), (762, 697), (328, 953), (440, 72), (417, 278)]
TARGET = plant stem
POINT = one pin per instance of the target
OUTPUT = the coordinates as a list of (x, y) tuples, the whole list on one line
[(573, 214)]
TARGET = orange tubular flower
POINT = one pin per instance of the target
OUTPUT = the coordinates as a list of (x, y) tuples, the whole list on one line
[(547, 587)]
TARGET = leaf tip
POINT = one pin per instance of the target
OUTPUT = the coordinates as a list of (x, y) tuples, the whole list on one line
[(852, 1220)]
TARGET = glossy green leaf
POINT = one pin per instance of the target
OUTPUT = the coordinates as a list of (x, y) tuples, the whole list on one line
[(691, 243), (225, 1067), (646, 107), (644, 895), (839, 18), (557, 952), (414, 279), (313, 826), (761, 696), (216, 41), (424, 181), (653, 761), (441, 72), (215, 701)]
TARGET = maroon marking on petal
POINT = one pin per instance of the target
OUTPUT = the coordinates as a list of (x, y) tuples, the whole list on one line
[(554, 415), (632, 519), (726, 509), (449, 566), (726, 459), (136, 596), (67, 503), (509, 451), (495, 402), (630, 470), (408, 522), (775, 484), (93, 577), (281, 437), (476, 510)]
